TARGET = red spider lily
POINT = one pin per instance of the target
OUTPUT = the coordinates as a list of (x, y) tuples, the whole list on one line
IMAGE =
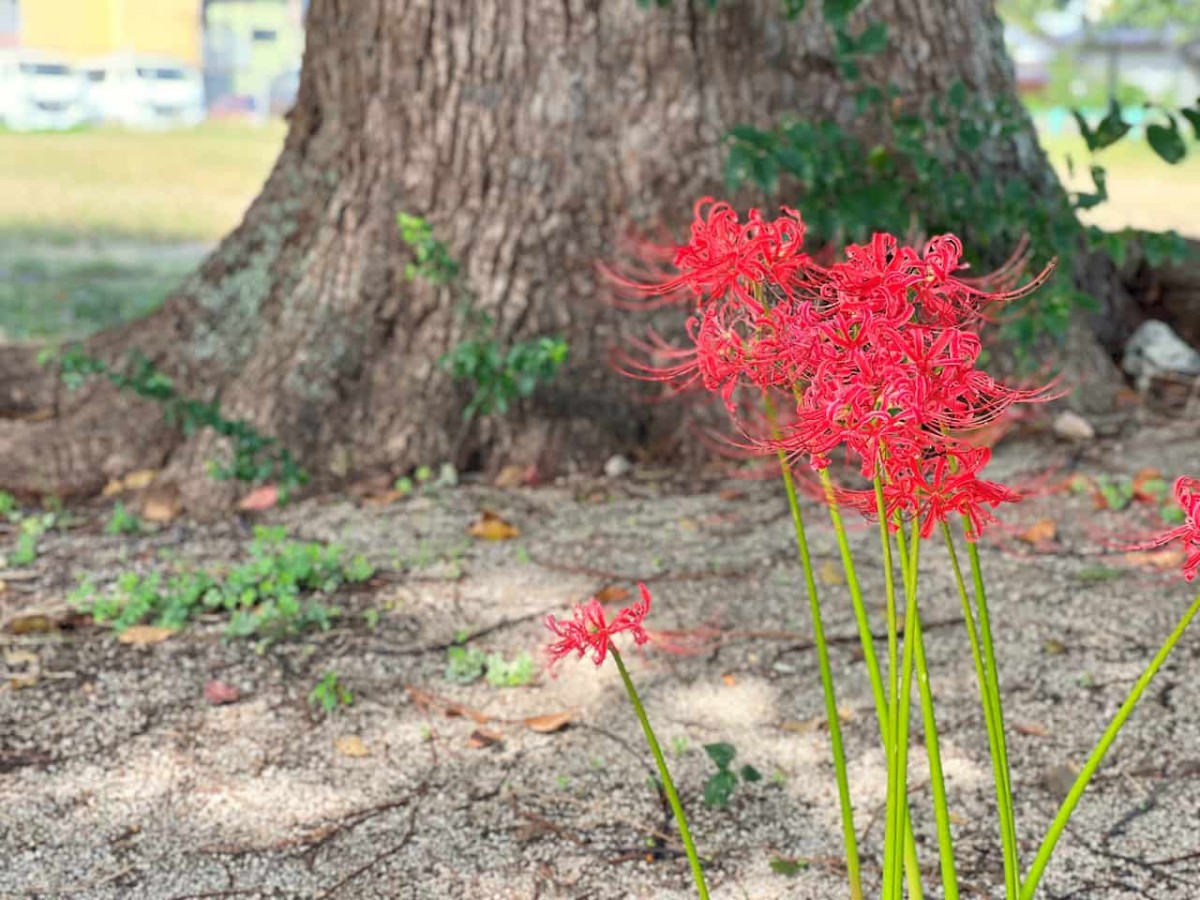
[(876, 355), (948, 485), (726, 257), (1187, 495), (590, 631)]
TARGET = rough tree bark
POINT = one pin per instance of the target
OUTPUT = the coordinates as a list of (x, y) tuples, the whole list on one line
[(527, 132)]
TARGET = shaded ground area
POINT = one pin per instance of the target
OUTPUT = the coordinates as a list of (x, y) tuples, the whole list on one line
[(119, 780)]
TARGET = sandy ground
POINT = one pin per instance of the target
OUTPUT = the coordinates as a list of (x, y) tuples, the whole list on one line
[(118, 779)]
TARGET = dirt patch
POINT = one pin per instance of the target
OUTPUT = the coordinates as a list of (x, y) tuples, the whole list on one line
[(119, 780)]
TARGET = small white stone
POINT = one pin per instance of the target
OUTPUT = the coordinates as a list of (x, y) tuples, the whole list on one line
[(1070, 426), (617, 466), (1155, 349)]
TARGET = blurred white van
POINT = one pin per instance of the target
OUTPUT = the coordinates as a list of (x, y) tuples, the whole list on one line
[(143, 91), (39, 91)]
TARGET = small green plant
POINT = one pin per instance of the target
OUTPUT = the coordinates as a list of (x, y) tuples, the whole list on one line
[(517, 672), (497, 376), (8, 507), (466, 665), (123, 521), (277, 592), (255, 458), (433, 261), (424, 480), (720, 786), (29, 537), (679, 745), (788, 866), (329, 695)]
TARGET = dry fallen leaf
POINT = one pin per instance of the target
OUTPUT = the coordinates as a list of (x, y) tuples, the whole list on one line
[(1031, 729), (491, 527), (483, 737), (613, 594), (797, 726), (1167, 558), (1053, 647), (161, 503), (22, 659), (30, 623), (548, 723), (427, 700), (134, 481), (140, 635), (218, 693), (351, 745), (1040, 532), (731, 494), (510, 476), (831, 574), (958, 819), (264, 497)]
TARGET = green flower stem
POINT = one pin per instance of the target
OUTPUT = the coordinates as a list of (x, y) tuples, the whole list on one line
[(893, 625), (668, 784), (867, 642), (1012, 860), (1097, 756), (849, 835), (941, 808), (999, 771), (900, 828)]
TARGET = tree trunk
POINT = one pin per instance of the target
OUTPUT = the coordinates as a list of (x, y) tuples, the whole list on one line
[(528, 132)]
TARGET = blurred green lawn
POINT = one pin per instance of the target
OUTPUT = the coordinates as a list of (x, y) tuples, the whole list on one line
[(187, 185), (98, 226)]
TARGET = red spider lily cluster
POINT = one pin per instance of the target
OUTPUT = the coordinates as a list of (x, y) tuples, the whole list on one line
[(590, 631), (875, 356), (1187, 495)]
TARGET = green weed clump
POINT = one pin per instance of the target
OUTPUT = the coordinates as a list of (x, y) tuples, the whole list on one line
[(281, 590)]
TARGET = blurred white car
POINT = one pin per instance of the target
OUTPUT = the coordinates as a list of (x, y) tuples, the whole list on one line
[(143, 91), (39, 91)]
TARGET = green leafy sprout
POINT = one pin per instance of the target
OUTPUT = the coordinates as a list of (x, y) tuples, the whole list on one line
[(279, 591)]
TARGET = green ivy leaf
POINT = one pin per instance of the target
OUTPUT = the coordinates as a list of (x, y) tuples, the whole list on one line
[(721, 753), (1166, 141), (1085, 130), (957, 95), (719, 788), (750, 774), (873, 39), (838, 11), (1111, 128), (1192, 114)]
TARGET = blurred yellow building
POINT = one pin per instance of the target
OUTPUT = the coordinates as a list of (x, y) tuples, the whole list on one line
[(78, 29)]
